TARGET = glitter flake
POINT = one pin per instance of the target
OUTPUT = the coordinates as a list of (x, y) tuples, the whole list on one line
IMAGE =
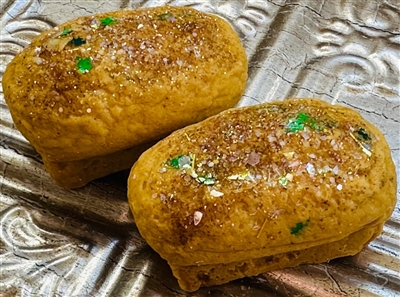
[(363, 135), (299, 123), (65, 32), (283, 181), (207, 180), (78, 41), (197, 217), (84, 65), (108, 21), (216, 193), (296, 230), (181, 162)]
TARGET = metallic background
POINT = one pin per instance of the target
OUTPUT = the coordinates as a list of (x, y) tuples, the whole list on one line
[(56, 242)]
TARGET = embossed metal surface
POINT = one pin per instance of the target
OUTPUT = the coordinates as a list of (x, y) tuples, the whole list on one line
[(56, 242)]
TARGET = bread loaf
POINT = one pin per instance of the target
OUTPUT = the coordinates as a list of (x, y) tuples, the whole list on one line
[(263, 187), (88, 92)]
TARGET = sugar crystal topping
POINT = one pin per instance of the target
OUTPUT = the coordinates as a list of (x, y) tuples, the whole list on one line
[(141, 50), (263, 151)]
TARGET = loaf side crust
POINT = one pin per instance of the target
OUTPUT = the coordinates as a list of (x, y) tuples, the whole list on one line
[(191, 278), (261, 181), (107, 82)]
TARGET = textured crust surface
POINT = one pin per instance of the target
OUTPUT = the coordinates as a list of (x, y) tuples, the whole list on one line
[(192, 277), (260, 181), (104, 83), (75, 174)]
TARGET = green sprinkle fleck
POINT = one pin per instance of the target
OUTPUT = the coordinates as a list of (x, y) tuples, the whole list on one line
[(283, 181), (299, 226), (187, 163), (181, 162), (78, 41), (84, 65), (175, 162), (65, 32), (108, 21), (298, 124), (294, 126), (165, 16), (363, 135)]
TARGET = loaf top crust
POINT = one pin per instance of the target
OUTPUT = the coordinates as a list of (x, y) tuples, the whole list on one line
[(103, 83), (262, 180)]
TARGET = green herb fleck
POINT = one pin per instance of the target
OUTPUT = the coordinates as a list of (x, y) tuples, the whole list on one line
[(65, 32), (165, 16), (363, 135), (298, 124), (108, 21), (84, 65), (78, 41), (299, 226), (283, 181)]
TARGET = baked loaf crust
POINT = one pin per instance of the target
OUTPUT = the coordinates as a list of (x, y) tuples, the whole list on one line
[(263, 187), (103, 84)]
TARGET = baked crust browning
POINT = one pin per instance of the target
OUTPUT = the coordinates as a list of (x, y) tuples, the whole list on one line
[(108, 82), (261, 181)]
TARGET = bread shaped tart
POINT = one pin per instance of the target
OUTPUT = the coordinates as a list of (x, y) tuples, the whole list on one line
[(90, 94), (264, 187)]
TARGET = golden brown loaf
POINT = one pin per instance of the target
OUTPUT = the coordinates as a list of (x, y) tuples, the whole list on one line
[(263, 187), (103, 84)]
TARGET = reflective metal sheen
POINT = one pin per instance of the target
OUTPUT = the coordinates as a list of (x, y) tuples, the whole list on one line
[(57, 242)]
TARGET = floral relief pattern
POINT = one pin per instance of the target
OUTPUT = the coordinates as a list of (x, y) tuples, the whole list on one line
[(352, 58), (31, 255), (38, 262), (359, 59), (376, 17), (350, 61), (18, 28), (248, 17)]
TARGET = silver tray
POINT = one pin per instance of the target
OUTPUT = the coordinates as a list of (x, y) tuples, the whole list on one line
[(56, 242)]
